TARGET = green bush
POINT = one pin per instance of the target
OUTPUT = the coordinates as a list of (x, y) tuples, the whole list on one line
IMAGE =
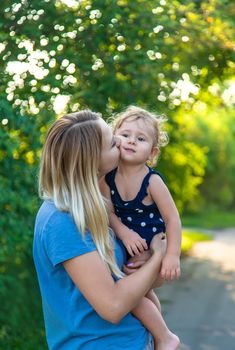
[(106, 55)]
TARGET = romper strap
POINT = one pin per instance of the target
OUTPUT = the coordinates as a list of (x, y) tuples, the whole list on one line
[(109, 178), (143, 190)]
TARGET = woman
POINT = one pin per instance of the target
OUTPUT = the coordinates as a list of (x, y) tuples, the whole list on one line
[(86, 300)]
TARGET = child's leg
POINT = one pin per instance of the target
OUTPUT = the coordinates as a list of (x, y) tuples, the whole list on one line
[(152, 296), (147, 312)]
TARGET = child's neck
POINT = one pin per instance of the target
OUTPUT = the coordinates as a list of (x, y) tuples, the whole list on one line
[(127, 170)]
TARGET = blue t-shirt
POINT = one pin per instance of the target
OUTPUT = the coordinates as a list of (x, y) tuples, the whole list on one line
[(70, 321)]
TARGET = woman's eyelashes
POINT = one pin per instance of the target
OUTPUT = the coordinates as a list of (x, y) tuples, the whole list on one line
[(114, 142)]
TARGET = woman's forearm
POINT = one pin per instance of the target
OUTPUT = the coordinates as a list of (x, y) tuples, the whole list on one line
[(111, 299), (130, 289)]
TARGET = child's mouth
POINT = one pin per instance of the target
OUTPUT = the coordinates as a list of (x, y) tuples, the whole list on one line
[(130, 150)]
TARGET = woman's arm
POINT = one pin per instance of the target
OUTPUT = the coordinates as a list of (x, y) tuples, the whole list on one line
[(113, 300), (136, 262)]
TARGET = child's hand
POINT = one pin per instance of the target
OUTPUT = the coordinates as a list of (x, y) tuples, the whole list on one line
[(134, 243), (170, 269)]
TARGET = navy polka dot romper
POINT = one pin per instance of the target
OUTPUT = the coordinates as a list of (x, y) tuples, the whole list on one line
[(144, 219)]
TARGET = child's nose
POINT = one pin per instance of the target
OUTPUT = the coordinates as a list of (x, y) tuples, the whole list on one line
[(132, 139)]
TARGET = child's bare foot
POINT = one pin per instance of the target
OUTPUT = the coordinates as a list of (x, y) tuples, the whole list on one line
[(158, 244), (171, 342)]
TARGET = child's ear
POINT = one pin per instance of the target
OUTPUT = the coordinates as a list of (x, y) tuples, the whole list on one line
[(154, 153), (152, 159)]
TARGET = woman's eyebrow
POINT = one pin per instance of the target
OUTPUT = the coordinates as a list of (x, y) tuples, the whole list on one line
[(125, 130)]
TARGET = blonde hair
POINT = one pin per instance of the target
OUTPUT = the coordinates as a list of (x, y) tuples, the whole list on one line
[(132, 113), (68, 176)]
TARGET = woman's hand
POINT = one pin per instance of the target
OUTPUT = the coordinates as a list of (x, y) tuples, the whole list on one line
[(159, 243), (136, 262)]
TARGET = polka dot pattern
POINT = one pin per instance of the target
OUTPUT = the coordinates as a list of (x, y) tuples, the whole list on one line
[(141, 218)]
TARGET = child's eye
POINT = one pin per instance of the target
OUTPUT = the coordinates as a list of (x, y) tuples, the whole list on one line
[(125, 135), (141, 138)]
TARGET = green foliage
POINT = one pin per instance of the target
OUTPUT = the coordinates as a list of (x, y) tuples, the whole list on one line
[(21, 315), (219, 182), (212, 218), (214, 131), (173, 57), (18, 203), (186, 162)]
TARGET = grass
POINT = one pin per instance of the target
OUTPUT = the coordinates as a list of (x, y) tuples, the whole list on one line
[(190, 237), (209, 219)]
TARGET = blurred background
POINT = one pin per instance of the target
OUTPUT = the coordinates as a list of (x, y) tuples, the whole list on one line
[(175, 58)]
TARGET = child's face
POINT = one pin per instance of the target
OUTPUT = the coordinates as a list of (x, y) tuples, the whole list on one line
[(137, 141), (110, 149)]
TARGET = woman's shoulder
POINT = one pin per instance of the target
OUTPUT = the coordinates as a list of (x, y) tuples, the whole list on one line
[(52, 223), (49, 214), (59, 234)]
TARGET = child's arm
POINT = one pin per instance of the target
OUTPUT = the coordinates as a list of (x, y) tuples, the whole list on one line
[(131, 240), (161, 196)]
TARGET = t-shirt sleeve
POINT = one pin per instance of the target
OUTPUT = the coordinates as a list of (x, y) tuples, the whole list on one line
[(63, 240)]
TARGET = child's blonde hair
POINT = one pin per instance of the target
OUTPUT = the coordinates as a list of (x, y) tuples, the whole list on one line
[(68, 176), (156, 121)]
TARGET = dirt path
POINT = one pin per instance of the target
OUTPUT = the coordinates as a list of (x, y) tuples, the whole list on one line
[(200, 308)]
